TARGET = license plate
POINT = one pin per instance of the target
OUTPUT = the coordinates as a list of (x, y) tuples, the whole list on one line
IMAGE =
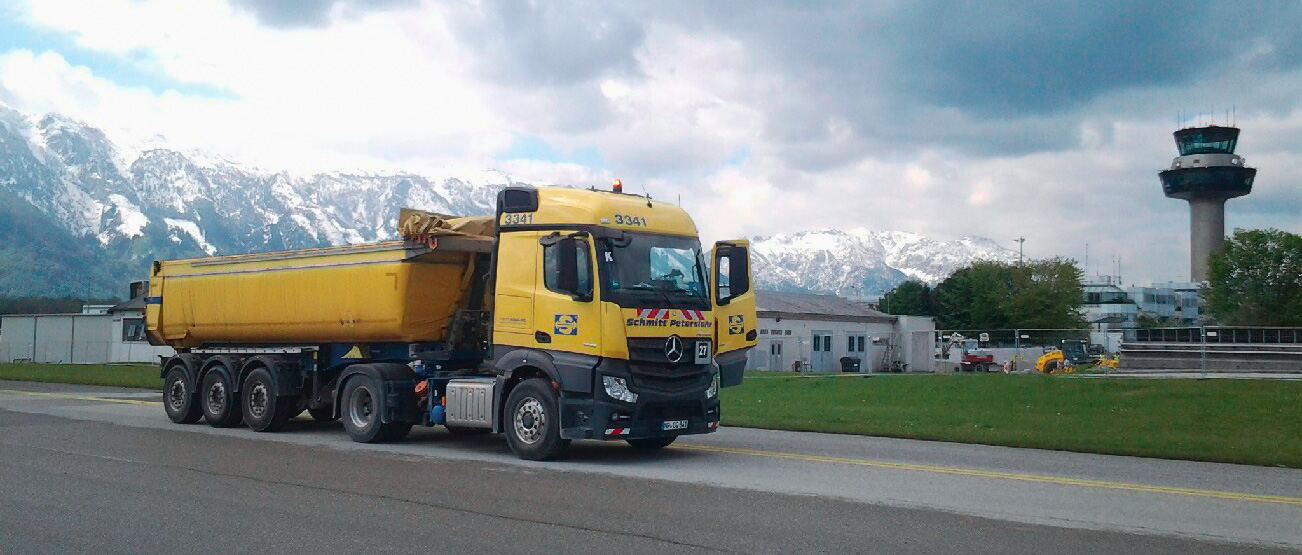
[(674, 425)]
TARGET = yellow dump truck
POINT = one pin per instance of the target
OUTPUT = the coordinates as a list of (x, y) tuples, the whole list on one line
[(574, 314)]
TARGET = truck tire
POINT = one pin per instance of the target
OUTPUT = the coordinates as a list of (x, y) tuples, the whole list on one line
[(221, 406), (361, 412), (533, 421), (263, 410), (323, 414), (1050, 366), (180, 398), (650, 444)]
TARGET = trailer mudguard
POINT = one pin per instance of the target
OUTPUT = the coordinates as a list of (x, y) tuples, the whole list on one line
[(227, 366), (190, 363), (398, 403), (286, 375)]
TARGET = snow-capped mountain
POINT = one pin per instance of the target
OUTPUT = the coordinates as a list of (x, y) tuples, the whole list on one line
[(82, 216), (68, 179), (861, 262)]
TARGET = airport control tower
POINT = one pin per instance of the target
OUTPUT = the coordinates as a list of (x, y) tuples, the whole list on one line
[(1206, 173)]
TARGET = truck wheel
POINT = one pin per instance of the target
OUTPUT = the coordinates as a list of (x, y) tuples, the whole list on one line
[(180, 399), (221, 407), (323, 414), (1049, 367), (651, 444), (533, 422), (263, 410), (361, 413)]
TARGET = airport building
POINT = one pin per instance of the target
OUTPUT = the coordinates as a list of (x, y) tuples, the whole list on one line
[(99, 334), (813, 333)]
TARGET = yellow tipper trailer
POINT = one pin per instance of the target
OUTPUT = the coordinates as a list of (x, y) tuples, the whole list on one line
[(392, 291), (571, 314)]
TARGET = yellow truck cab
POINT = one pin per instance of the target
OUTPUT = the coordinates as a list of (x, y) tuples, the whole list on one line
[(584, 314)]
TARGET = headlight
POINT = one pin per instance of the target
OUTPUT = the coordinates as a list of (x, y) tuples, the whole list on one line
[(713, 390), (617, 389)]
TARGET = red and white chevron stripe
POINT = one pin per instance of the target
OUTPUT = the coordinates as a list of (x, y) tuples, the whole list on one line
[(694, 315), (665, 313), (617, 431)]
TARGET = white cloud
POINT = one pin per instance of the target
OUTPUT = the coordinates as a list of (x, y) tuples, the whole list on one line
[(759, 125)]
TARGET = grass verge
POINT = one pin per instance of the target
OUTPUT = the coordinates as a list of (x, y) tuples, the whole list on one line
[(121, 375), (1237, 421)]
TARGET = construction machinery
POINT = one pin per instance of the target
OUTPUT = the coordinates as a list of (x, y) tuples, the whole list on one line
[(1070, 354)]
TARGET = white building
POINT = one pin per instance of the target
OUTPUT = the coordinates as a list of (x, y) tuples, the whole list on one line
[(1170, 300), (816, 331), (98, 335)]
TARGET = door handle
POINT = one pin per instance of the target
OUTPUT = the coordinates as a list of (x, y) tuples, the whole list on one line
[(542, 337)]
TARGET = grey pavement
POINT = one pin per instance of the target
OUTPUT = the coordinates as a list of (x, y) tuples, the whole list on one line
[(109, 473)]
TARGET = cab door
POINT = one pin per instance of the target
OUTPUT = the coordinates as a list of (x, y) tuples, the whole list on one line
[(734, 308), (567, 315)]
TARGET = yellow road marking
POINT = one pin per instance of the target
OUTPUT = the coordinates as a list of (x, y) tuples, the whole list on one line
[(1002, 475), (870, 463), (79, 397)]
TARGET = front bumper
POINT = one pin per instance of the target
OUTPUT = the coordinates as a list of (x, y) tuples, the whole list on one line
[(588, 418)]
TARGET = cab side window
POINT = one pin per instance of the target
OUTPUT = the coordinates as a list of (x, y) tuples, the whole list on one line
[(553, 259)]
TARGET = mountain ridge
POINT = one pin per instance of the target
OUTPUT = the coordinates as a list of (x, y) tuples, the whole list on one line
[(125, 208)]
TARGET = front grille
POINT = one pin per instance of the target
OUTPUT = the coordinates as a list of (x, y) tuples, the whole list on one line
[(652, 371)]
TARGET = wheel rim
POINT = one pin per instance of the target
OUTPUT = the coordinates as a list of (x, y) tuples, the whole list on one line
[(176, 394), (217, 397), (361, 407), (258, 400), (530, 420)]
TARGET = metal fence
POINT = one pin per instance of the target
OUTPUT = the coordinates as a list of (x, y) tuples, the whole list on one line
[(1013, 350), (1186, 350)]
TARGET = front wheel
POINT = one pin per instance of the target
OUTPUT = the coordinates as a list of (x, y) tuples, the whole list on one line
[(651, 443), (180, 399), (361, 413), (533, 423)]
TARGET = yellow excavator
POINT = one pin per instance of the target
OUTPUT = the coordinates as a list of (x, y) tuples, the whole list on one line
[(1063, 360)]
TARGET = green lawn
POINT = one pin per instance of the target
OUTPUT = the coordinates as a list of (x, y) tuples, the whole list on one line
[(123, 375), (1241, 421)]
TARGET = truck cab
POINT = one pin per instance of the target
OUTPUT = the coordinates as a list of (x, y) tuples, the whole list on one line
[(609, 301)]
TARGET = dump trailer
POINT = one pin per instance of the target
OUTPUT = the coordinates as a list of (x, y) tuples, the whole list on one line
[(572, 314)]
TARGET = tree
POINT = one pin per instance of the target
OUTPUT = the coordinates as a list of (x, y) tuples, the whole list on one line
[(1043, 294), (1255, 279), (911, 298)]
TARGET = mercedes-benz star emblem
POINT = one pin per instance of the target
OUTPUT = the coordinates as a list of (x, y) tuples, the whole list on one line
[(674, 349)]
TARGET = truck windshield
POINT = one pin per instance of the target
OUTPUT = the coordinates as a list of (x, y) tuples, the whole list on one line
[(648, 270)]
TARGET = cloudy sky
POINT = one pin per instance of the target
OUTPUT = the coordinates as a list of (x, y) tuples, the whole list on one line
[(1043, 120)]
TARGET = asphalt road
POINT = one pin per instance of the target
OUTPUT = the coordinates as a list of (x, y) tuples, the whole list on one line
[(101, 470)]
